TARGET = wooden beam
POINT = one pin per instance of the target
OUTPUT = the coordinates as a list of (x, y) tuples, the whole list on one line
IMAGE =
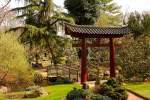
[(112, 58), (96, 45), (84, 73)]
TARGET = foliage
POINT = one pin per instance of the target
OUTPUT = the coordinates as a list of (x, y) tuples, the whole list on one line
[(61, 80), (112, 89), (110, 14), (38, 78), (83, 11), (76, 94), (35, 91), (99, 97), (134, 59), (40, 30), (139, 23), (13, 58)]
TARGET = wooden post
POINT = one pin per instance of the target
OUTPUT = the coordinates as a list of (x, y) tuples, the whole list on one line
[(84, 73), (69, 73), (112, 58), (77, 76)]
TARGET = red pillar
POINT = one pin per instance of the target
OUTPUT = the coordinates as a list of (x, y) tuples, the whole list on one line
[(84, 73), (112, 58)]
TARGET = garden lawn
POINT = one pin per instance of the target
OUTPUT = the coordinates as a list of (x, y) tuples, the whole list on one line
[(56, 92), (140, 88)]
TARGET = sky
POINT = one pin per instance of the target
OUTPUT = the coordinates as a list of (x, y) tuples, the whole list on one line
[(126, 5)]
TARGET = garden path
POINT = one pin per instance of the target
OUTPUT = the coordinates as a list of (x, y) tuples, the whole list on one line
[(133, 97)]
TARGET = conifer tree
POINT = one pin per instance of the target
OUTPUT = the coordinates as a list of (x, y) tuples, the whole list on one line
[(39, 29), (84, 12)]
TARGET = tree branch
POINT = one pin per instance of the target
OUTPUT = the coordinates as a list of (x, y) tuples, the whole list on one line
[(3, 7)]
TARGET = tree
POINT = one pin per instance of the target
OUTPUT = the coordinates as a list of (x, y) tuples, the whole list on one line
[(110, 14), (139, 23), (4, 11), (40, 28), (84, 12), (13, 58), (134, 59)]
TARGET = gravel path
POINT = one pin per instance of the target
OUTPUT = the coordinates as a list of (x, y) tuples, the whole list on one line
[(133, 97)]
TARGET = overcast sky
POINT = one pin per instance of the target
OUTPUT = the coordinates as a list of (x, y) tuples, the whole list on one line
[(126, 5)]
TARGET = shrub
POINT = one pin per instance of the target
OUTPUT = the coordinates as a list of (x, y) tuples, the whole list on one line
[(13, 58), (38, 78), (77, 94), (80, 94), (35, 91), (63, 80), (99, 97), (113, 90)]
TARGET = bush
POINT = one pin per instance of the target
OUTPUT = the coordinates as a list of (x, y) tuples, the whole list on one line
[(62, 80), (77, 94), (99, 97), (13, 58), (35, 91), (80, 94), (113, 90), (38, 78)]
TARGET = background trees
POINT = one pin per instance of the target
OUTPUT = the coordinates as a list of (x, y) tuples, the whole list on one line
[(134, 58), (139, 23), (40, 28), (84, 12), (110, 14)]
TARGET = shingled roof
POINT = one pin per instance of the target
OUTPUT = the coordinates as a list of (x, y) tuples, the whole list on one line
[(91, 31)]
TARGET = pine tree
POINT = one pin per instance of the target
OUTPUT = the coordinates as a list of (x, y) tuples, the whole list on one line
[(40, 30), (84, 12), (139, 23)]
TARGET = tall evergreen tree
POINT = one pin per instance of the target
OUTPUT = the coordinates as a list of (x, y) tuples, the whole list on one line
[(40, 30), (84, 12), (139, 23)]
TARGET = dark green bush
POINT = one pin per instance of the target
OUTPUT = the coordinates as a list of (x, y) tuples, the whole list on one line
[(99, 97), (62, 80), (112, 82), (77, 94), (113, 90), (110, 90)]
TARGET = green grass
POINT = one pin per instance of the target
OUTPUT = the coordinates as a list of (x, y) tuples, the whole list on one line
[(56, 92), (140, 88)]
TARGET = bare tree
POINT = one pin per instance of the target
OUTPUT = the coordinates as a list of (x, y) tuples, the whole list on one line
[(4, 11)]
